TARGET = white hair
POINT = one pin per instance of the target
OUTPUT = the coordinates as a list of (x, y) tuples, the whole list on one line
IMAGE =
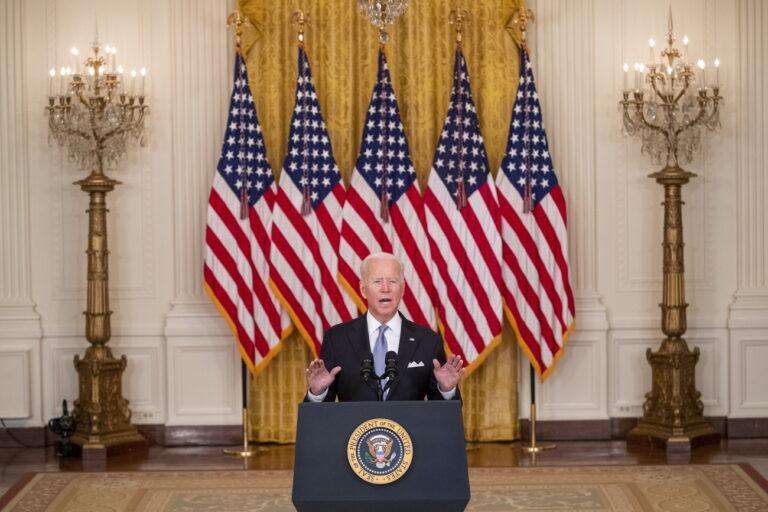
[(380, 256)]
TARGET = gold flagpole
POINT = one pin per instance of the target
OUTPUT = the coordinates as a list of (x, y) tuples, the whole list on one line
[(238, 20), (522, 17)]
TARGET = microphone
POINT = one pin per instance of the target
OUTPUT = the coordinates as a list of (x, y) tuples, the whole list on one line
[(390, 368), (366, 369)]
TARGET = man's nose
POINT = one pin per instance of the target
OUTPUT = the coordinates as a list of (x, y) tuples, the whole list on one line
[(385, 286)]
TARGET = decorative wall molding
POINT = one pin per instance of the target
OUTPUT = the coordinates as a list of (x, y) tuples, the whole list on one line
[(20, 380), (199, 48), (16, 367), (577, 388), (749, 381), (18, 317), (215, 399), (750, 306), (143, 380), (629, 374)]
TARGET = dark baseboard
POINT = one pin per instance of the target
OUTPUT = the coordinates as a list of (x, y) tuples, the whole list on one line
[(747, 427), (203, 435), (228, 435), (615, 428), (29, 437), (567, 430), (194, 435)]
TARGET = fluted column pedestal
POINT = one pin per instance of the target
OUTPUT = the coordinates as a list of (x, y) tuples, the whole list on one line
[(673, 410), (102, 415)]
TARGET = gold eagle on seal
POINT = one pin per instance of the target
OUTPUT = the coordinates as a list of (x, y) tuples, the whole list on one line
[(380, 448)]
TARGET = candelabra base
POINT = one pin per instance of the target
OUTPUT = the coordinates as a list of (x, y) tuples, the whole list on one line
[(672, 412), (101, 414)]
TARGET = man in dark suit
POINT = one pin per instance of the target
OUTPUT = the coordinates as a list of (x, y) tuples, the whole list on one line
[(422, 367)]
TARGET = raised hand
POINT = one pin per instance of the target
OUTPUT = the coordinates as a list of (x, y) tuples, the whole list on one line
[(318, 378), (449, 374)]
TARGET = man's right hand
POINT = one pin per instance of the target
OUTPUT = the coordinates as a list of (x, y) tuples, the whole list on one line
[(318, 378)]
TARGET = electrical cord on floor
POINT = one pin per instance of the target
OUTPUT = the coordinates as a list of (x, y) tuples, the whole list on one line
[(14, 438)]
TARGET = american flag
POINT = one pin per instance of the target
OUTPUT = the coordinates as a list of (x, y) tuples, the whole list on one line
[(537, 291), (306, 222), (464, 228), (384, 209), (236, 270)]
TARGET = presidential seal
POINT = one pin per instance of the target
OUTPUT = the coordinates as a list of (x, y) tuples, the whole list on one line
[(379, 451)]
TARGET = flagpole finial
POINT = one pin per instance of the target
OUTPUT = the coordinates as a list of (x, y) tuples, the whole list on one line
[(238, 20), (522, 17), (301, 20), (458, 17)]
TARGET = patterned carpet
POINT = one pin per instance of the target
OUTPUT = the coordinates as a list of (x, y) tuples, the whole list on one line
[(542, 489)]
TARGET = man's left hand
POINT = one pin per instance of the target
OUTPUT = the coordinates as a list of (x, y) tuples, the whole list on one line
[(449, 374)]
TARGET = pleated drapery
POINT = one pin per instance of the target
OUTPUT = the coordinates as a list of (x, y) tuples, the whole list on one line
[(342, 48)]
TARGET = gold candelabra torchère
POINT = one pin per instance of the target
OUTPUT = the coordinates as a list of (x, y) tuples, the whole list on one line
[(94, 117), (670, 108)]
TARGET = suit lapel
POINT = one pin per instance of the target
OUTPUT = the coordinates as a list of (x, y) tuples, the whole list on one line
[(408, 344), (358, 338)]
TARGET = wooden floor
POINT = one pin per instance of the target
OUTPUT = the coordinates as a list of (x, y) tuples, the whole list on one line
[(16, 461)]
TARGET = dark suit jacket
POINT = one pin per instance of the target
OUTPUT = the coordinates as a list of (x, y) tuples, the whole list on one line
[(347, 344)]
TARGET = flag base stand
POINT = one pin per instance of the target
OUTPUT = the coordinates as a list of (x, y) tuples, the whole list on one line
[(533, 447), (247, 451)]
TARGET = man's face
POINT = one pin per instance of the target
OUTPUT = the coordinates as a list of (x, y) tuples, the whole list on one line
[(382, 286)]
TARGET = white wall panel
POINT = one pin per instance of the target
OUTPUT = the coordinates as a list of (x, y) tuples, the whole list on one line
[(143, 379), (16, 372), (60, 380), (20, 382), (203, 381), (578, 392), (749, 378), (144, 376), (754, 361), (630, 373)]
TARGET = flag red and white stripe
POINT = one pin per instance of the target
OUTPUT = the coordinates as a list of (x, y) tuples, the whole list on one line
[(237, 243), (537, 291), (464, 228), (384, 210), (306, 222)]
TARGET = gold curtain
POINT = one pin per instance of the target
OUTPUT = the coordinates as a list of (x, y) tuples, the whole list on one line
[(342, 48)]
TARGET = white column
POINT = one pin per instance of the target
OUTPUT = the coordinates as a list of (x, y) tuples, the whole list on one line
[(20, 330), (562, 44), (200, 59), (748, 320), (197, 338)]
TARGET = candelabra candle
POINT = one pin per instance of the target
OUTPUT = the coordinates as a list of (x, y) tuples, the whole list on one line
[(652, 43), (626, 69), (90, 118), (717, 71)]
